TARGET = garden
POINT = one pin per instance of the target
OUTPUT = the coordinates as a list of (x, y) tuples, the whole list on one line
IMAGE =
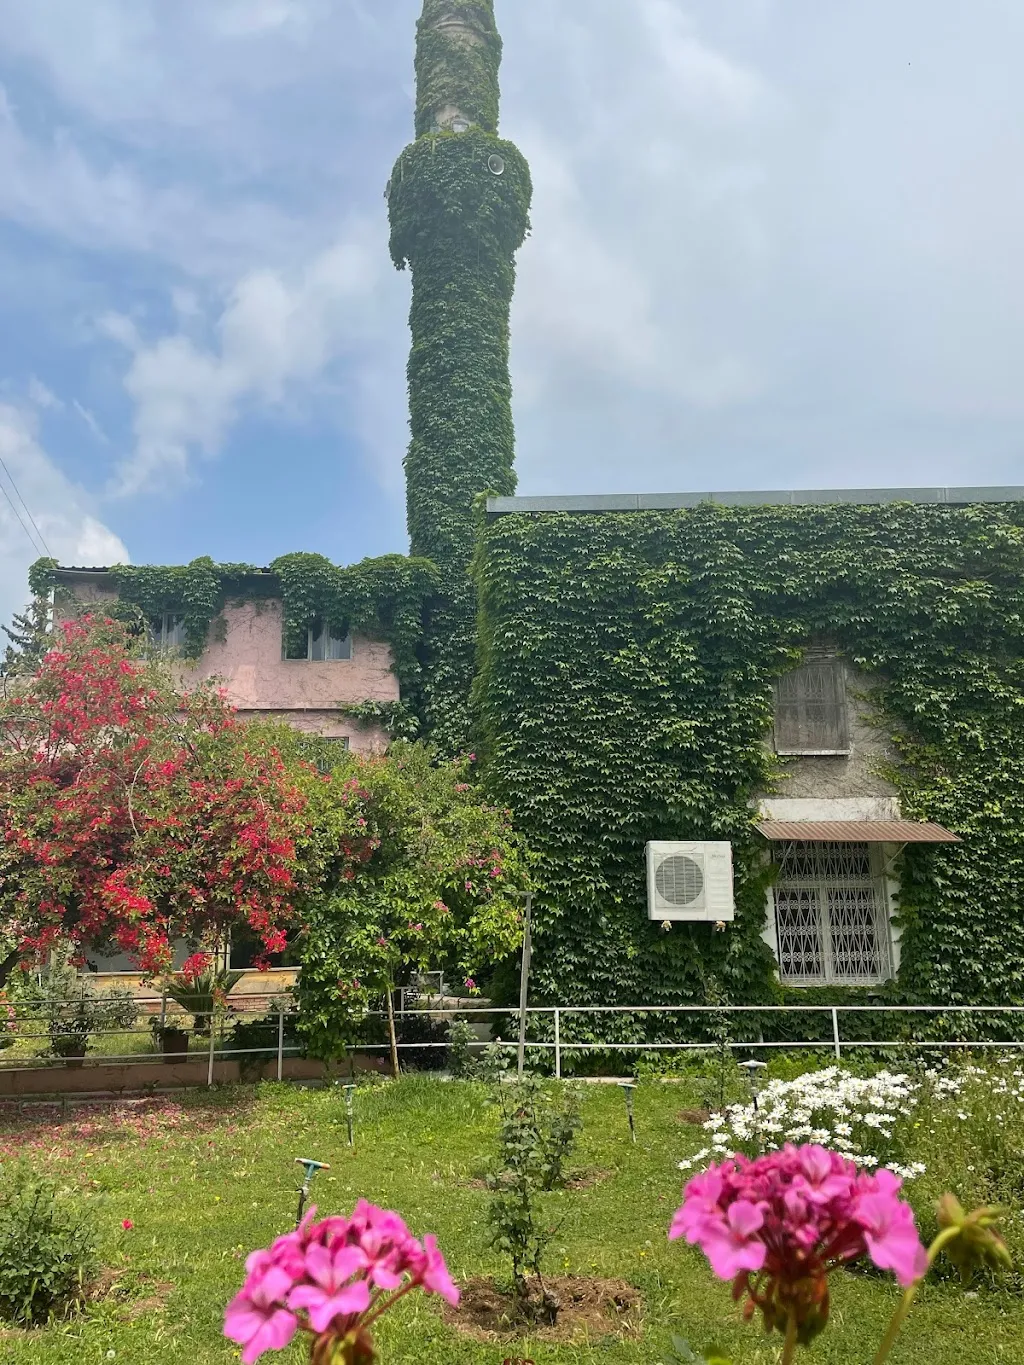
[(710, 1209), (126, 1229)]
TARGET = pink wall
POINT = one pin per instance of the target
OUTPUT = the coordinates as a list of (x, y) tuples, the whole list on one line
[(259, 682)]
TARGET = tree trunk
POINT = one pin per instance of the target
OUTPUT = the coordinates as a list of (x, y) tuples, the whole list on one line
[(392, 1039), (7, 966)]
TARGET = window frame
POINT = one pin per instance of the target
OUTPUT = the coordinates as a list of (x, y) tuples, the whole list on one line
[(887, 941), (311, 633), (838, 668), (161, 641)]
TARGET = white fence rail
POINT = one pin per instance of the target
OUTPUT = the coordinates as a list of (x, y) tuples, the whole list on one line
[(282, 1006)]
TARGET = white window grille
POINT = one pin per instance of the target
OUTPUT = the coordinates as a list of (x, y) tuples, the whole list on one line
[(323, 644), (831, 916), (166, 631), (810, 709)]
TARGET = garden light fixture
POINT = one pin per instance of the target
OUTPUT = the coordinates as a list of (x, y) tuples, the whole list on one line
[(627, 1088)]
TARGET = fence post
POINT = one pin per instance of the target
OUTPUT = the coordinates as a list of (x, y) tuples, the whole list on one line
[(213, 1043), (558, 1045), (835, 1033), (280, 1040)]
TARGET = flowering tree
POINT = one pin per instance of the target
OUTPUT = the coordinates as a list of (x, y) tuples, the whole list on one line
[(429, 878), (333, 1280), (133, 813)]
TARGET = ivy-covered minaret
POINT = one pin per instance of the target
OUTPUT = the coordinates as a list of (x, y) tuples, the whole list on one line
[(459, 201)]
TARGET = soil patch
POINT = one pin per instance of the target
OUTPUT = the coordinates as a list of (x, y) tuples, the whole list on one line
[(588, 1309), (693, 1115), (134, 1295), (586, 1180)]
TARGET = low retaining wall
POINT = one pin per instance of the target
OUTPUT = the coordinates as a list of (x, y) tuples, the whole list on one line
[(123, 1078)]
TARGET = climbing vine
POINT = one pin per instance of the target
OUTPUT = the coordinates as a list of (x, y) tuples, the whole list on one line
[(458, 53), (385, 597), (627, 666), (457, 224)]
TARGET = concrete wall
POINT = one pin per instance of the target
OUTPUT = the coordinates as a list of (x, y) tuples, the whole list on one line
[(853, 775)]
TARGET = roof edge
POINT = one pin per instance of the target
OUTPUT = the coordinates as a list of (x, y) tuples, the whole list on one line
[(801, 497)]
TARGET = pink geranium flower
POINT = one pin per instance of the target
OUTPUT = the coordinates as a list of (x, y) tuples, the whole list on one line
[(889, 1231), (332, 1279), (730, 1243), (779, 1225), (331, 1295), (257, 1319)]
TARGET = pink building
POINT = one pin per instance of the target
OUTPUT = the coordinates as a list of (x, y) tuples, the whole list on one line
[(245, 652)]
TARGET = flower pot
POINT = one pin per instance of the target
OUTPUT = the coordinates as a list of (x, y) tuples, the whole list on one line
[(174, 1045), (73, 1054)]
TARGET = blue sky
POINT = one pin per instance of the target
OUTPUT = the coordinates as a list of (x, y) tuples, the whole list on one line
[(776, 243)]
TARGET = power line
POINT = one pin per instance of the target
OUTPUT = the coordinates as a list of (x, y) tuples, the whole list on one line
[(7, 495), (39, 534)]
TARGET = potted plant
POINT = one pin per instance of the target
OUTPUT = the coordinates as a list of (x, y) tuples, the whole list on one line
[(200, 991), (171, 1039)]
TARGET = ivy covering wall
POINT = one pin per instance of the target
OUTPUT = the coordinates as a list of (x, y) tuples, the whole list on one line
[(459, 210), (386, 598), (627, 666)]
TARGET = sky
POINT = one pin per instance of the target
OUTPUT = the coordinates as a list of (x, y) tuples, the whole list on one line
[(776, 243)]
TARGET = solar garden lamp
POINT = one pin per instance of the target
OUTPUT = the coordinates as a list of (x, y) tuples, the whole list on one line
[(753, 1069), (310, 1169), (349, 1091), (627, 1088)]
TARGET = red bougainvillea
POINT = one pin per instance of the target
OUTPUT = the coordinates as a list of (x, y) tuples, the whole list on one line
[(134, 814)]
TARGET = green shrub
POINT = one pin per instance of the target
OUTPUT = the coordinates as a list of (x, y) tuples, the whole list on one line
[(536, 1137), (47, 1253)]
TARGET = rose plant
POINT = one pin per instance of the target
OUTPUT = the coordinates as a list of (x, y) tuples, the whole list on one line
[(332, 1280)]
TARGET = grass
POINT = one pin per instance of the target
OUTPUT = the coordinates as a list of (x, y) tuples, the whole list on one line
[(209, 1177)]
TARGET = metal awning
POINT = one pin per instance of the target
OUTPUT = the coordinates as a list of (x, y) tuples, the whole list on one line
[(856, 831)]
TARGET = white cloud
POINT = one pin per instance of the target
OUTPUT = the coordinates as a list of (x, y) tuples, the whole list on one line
[(62, 512), (274, 333)]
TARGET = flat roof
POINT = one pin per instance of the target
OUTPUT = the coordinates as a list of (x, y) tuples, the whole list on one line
[(798, 497)]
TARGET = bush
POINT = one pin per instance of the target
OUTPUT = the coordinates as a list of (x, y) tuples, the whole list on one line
[(47, 1252), (70, 1009)]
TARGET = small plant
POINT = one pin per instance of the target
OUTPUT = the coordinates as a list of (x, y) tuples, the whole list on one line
[(461, 1063), (72, 1010), (537, 1133), (333, 1280), (201, 991), (47, 1253)]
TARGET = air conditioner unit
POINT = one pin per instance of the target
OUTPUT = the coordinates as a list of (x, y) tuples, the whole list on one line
[(689, 881)]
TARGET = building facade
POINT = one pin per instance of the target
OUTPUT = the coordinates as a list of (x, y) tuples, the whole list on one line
[(308, 682)]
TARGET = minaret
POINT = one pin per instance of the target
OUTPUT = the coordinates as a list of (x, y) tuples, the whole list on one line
[(459, 201)]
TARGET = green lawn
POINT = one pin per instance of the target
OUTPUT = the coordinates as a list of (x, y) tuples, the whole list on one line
[(208, 1178)]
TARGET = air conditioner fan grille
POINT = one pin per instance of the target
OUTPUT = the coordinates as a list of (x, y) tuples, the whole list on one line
[(679, 880)]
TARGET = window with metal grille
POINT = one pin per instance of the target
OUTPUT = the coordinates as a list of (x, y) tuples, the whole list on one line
[(166, 631), (323, 644), (810, 709), (831, 916)]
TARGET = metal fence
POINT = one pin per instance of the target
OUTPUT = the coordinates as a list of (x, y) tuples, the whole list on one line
[(30, 1023)]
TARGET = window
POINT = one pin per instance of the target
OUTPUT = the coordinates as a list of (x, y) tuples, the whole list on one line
[(831, 916), (322, 644), (810, 709), (326, 758), (166, 631)]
